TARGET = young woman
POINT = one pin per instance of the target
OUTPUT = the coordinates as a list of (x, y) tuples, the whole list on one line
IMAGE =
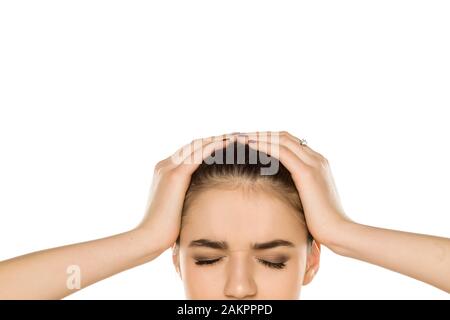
[(238, 229)]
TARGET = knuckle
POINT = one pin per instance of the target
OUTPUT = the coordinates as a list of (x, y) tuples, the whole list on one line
[(171, 173), (280, 151), (162, 166), (177, 173), (323, 161), (321, 164), (159, 165), (308, 171), (283, 138), (159, 170)]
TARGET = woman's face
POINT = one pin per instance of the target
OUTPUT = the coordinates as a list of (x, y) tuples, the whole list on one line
[(243, 245)]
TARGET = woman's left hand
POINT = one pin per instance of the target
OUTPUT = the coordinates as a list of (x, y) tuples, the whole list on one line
[(312, 176), (422, 257)]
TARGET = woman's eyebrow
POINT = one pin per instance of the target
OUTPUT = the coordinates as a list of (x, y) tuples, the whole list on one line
[(222, 245), (272, 244)]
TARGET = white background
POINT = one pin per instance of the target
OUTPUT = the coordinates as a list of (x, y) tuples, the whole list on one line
[(94, 93)]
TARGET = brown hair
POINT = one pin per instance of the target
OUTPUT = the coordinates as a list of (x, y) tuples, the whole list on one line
[(224, 171)]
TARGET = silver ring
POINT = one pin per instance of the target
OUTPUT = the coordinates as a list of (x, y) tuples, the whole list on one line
[(302, 142)]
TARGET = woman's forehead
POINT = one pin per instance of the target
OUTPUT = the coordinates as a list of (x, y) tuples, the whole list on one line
[(232, 213)]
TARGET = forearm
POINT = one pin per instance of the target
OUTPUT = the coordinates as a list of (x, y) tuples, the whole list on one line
[(423, 257), (44, 274)]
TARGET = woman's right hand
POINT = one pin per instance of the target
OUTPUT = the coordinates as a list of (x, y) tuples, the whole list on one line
[(43, 274), (171, 180)]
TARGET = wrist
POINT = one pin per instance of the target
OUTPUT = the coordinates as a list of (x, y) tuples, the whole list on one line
[(145, 242), (339, 241)]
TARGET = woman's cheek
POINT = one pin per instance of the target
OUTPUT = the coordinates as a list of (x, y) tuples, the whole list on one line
[(278, 284), (203, 282)]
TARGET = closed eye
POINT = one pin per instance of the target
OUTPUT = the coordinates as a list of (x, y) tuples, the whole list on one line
[(274, 265), (207, 261)]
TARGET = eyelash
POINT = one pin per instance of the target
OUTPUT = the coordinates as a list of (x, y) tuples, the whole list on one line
[(273, 265), (206, 262)]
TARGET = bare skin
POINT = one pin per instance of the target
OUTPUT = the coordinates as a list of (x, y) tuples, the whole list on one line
[(42, 275), (244, 266), (423, 257)]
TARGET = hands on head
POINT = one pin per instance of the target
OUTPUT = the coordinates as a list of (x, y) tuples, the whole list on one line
[(43, 274)]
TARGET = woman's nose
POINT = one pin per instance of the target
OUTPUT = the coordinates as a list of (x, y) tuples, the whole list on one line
[(240, 283)]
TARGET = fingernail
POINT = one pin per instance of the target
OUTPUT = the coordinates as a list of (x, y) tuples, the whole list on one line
[(251, 141), (242, 135)]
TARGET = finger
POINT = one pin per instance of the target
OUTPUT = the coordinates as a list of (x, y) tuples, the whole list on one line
[(286, 156), (190, 164), (296, 146), (304, 147), (287, 140), (187, 150), (197, 156)]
